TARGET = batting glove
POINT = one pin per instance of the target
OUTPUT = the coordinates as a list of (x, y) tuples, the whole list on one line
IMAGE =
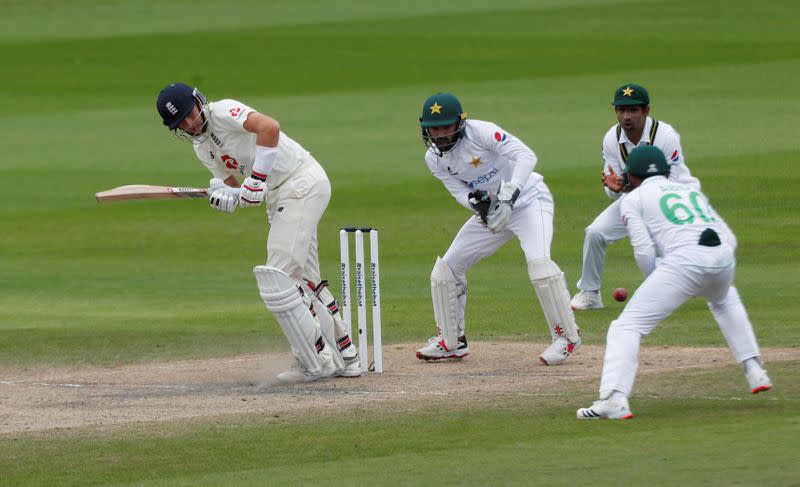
[(252, 192), (222, 197)]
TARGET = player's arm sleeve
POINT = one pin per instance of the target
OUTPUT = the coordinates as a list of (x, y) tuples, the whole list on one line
[(523, 160), (230, 113), (611, 159), (672, 148), (456, 187), (644, 251)]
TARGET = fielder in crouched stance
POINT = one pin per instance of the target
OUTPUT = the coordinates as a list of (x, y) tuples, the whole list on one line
[(635, 129), (236, 143), (475, 159), (674, 221)]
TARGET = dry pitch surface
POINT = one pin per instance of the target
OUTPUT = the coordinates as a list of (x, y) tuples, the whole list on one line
[(35, 399)]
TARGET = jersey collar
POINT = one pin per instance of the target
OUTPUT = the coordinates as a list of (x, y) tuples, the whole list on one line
[(648, 124)]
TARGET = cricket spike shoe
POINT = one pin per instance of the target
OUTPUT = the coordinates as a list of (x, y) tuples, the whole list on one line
[(297, 373), (558, 351), (352, 367), (586, 300), (759, 381), (606, 409), (435, 350)]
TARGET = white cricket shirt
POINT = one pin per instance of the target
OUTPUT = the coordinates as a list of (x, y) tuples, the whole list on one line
[(666, 139), (483, 157), (663, 216), (231, 150)]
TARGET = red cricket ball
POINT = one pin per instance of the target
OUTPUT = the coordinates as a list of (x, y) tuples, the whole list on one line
[(620, 294)]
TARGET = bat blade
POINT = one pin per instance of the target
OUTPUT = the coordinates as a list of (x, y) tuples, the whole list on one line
[(149, 192)]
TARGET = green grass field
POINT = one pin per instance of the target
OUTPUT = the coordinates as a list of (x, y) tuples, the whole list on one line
[(83, 283)]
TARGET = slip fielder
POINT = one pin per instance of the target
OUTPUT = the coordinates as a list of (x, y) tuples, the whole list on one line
[(674, 221), (635, 129)]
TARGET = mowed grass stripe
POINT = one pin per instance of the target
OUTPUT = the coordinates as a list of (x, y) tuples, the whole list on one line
[(491, 44)]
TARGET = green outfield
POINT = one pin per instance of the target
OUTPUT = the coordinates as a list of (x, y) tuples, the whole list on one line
[(136, 282)]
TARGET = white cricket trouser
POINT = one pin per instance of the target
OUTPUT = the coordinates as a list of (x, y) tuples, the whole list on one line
[(605, 229), (697, 271), (294, 209), (531, 224)]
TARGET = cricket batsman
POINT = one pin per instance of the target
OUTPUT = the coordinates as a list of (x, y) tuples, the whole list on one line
[(490, 173), (635, 128), (251, 161), (674, 221)]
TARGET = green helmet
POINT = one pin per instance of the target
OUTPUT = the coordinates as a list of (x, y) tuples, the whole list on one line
[(440, 110), (646, 161)]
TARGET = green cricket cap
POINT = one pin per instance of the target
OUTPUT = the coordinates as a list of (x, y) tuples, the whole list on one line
[(631, 94), (647, 160), (441, 109)]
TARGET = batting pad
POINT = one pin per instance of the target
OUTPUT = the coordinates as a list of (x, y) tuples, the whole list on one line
[(445, 300), (328, 334), (551, 289), (282, 298)]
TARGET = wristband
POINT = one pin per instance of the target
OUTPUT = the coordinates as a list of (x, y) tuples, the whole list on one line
[(264, 162)]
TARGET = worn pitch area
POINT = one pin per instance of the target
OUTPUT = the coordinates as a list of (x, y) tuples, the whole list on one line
[(48, 397)]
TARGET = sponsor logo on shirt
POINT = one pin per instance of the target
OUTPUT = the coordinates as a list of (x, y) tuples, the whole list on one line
[(675, 156), (485, 178), (451, 171), (235, 111), (216, 139), (230, 162), (500, 136)]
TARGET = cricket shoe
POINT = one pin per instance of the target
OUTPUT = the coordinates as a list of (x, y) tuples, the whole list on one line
[(759, 381), (435, 350), (586, 300), (558, 351), (352, 367), (297, 373), (606, 409)]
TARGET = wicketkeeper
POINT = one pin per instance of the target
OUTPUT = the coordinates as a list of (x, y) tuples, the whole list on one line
[(490, 173)]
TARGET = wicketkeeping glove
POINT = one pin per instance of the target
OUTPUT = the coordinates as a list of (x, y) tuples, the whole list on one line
[(501, 208), (480, 201)]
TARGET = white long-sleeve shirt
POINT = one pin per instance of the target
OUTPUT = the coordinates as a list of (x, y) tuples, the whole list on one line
[(231, 150), (485, 156), (666, 139), (663, 217)]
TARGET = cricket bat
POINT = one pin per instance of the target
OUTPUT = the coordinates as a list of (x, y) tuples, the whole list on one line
[(148, 192)]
